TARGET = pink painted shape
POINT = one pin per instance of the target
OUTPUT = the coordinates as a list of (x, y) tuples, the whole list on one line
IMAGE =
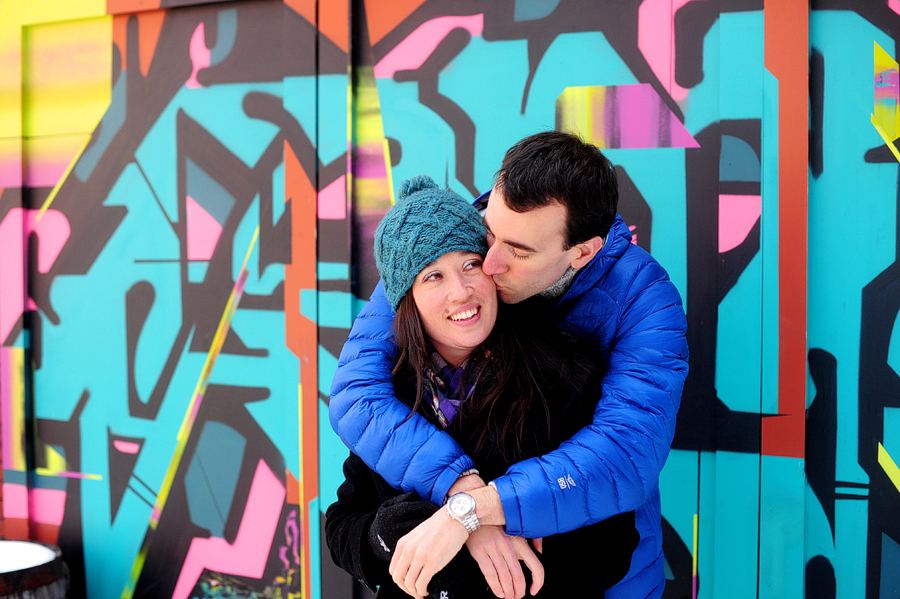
[(656, 40), (250, 551), (126, 446), (894, 5), (48, 506), (418, 45), (640, 112), (332, 202), (45, 173), (737, 215), (199, 55), (11, 171), (15, 501), (203, 232), (52, 231)]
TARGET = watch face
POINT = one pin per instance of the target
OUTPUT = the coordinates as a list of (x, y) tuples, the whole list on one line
[(461, 504)]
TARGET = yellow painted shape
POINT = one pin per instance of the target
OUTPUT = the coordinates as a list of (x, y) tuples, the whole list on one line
[(14, 15), (888, 140), (580, 111), (889, 466), (55, 461), (887, 108), (66, 76), (14, 446)]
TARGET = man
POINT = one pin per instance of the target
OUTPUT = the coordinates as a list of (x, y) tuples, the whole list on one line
[(557, 247)]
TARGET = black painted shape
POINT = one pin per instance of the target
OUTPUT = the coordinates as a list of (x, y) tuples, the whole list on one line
[(705, 423), (879, 388), (678, 555), (456, 118), (734, 262), (71, 534), (138, 303), (121, 467), (821, 431), (692, 23), (176, 531), (820, 581), (816, 112)]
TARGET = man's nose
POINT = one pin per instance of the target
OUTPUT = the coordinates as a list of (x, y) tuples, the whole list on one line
[(493, 263)]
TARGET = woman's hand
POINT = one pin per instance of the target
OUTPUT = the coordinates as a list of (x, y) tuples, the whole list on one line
[(425, 550), (498, 556)]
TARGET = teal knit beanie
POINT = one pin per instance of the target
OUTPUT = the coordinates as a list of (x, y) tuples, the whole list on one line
[(425, 223)]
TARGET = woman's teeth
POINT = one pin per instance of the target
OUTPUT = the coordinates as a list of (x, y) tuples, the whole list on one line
[(465, 315)]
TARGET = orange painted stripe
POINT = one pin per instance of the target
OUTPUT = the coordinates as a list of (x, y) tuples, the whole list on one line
[(787, 58)]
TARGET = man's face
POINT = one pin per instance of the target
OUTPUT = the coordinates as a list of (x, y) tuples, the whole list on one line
[(526, 252)]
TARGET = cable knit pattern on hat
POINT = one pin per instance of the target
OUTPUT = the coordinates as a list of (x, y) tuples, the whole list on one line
[(425, 223)]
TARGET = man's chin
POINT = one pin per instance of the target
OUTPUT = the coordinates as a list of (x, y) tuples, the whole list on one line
[(508, 298)]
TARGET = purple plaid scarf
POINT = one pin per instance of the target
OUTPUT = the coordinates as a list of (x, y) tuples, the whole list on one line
[(449, 387)]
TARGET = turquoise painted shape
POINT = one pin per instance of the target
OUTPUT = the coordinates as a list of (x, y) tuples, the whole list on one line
[(770, 240), (781, 527), (332, 128), (309, 304), (658, 173), (891, 434), (890, 567), (226, 34), (332, 453), (258, 283), (531, 10), (278, 197), (678, 487), (278, 371), (736, 540), (327, 367), (109, 126), (332, 271), (733, 71), (335, 309), (739, 342), (196, 270), (212, 476), (208, 193), (315, 550), (738, 161), (706, 537), (300, 102)]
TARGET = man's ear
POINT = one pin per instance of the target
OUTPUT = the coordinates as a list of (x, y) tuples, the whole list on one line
[(586, 251)]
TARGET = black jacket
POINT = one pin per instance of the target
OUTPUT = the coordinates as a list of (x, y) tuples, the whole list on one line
[(362, 527)]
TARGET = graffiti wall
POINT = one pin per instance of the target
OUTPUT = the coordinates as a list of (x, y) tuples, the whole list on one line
[(188, 191)]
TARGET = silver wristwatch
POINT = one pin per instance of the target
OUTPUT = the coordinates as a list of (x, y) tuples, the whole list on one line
[(462, 509)]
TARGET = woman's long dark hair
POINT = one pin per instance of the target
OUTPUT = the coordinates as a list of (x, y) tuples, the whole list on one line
[(530, 367)]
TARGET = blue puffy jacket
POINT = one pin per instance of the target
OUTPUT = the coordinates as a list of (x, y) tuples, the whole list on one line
[(624, 301)]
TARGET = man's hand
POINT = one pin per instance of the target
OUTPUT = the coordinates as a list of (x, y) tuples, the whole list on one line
[(425, 550), (498, 556)]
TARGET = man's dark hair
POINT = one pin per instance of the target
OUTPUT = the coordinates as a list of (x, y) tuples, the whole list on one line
[(556, 166)]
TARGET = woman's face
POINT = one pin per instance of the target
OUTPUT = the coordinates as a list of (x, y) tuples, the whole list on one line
[(457, 303)]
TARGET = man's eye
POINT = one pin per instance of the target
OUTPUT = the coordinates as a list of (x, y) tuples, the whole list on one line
[(517, 255)]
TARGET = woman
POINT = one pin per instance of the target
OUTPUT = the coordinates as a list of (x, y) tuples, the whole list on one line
[(505, 393)]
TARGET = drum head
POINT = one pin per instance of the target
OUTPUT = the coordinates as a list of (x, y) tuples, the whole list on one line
[(28, 565)]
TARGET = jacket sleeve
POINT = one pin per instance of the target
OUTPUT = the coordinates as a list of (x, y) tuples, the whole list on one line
[(408, 452), (612, 466), (347, 523)]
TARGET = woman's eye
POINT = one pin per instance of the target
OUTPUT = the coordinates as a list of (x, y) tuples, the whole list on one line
[(432, 276), (470, 264)]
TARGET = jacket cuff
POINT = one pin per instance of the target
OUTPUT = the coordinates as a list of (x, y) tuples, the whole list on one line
[(510, 502), (446, 478)]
